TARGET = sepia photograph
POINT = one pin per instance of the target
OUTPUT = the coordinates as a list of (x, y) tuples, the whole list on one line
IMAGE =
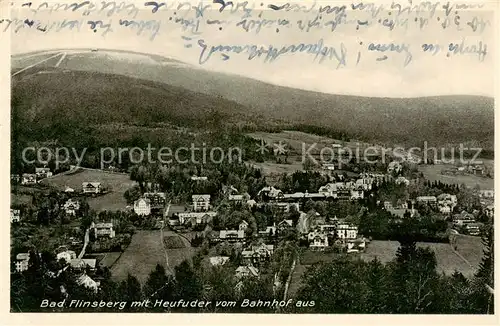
[(251, 157)]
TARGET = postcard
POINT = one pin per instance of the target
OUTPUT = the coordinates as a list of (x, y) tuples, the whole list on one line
[(244, 158)]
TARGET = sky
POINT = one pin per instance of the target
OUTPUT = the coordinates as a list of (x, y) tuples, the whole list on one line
[(425, 75)]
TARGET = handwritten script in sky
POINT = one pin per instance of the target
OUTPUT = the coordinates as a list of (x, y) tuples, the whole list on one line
[(392, 37)]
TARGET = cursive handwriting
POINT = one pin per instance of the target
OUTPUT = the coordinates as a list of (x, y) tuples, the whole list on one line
[(319, 50), (383, 32)]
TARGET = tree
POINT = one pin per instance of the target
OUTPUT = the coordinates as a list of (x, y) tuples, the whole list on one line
[(413, 279), (189, 283), (132, 194), (335, 287), (159, 285), (139, 174), (130, 289), (222, 284), (484, 278), (308, 165)]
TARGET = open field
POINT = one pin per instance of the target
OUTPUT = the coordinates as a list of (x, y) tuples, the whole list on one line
[(447, 260), (274, 169), (177, 256), (20, 199), (173, 242), (269, 168), (145, 251), (433, 173), (109, 259), (471, 248), (116, 182), (140, 257), (296, 141)]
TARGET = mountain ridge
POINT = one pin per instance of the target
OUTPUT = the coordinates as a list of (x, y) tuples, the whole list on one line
[(446, 119)]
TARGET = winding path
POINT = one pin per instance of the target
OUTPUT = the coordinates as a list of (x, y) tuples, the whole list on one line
[(86, 242), (165, 214)]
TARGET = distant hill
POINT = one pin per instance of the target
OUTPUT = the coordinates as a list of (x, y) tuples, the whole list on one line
[(56, 101), (186, 93)]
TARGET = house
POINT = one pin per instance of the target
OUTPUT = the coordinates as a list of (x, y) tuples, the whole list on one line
[(85, 281), (243, 225), (15, 215), (328, 190), (446, 203), (427, 199), (81, 264), (365, 183), (402, 212), (487, 193), (196, 178), (239, 198), (269, 231), (401, 209), (258, 253), (357, 194), (91, 187), (77, 264), (236, 198), (270, 193), (445, 209), (22, 262), (476, 169), (317, 240), (473, 228), (103, 229), (358, 245), (343, 194), (328, 167), (201, 202), (247, 271), (375, 177), (328, 228), (71, 206), (142, 207), (69, 190), (463, 219), (174, 220), (251, 203), (346, 232), (218, 260), (490, 210), (195, 218), (67, 255), (402, 180), (42, 173), (157, 200), (304, 195), (15, 178), (231, 235), (28, 179), (394, 167), (283, 208), (284, 225)]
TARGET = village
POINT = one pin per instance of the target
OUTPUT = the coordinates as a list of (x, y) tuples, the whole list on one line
[(223, 225)]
